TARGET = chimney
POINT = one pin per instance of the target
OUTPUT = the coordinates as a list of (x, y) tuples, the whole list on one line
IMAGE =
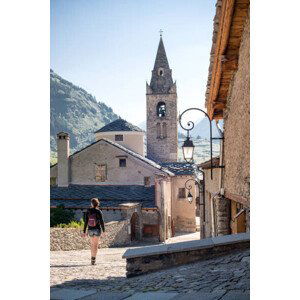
[(63, 152)]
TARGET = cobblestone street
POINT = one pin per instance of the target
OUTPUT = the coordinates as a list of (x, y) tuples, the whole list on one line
[(219, 276)]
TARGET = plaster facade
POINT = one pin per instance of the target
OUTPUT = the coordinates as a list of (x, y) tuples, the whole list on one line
[(183, 212), (133, 140)]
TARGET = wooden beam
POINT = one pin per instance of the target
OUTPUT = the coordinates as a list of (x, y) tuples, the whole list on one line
[(237, 198)]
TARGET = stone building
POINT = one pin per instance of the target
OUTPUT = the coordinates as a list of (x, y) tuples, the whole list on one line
[(228, 98), (162, 133), (149, 190)]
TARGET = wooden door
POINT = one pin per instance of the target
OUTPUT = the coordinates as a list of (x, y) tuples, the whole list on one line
[(238, 218)]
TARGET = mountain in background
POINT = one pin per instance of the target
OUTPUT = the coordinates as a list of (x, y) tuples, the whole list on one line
[(76, 112), (201, 129)]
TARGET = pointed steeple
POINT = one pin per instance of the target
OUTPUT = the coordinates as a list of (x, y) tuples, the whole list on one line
[(161, 80), (161, 60)]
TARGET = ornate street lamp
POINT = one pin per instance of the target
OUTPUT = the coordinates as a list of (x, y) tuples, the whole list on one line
[(188, 150), (190, 197), (188, 145)]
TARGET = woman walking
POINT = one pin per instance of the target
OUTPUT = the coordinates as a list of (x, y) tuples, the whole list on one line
[(94, 221)]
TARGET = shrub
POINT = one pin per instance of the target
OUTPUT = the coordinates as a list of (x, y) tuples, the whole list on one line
[(60, 215), (72, 224)]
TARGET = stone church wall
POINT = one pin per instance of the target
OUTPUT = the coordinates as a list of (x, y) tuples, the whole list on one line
[(162, 149), (83, 167)]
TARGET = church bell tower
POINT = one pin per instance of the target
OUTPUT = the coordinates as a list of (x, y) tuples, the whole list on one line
[(161, 95)]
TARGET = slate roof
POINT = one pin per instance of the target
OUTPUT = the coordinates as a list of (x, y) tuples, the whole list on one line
[(119, 125), (110, 195), (179, 168)]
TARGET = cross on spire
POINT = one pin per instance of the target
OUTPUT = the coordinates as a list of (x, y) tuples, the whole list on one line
[(160, 32)]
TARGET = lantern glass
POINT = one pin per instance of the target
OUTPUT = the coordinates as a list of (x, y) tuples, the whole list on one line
[(190, 197), (188, 150)]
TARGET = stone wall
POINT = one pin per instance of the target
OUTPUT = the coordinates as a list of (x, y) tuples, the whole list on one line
[(237, 125), (147, 259), (150, 217), (108, 215), (159, 148), (71, 239), (82, 166), (218, 223), (222, 213)]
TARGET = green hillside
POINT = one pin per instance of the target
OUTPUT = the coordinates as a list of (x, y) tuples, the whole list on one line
[(75, 111)]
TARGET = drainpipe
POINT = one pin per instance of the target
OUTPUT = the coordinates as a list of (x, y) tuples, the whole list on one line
[(221, 132), (221, 188)]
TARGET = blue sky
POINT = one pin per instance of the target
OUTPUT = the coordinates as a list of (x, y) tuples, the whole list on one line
[(108, 47)]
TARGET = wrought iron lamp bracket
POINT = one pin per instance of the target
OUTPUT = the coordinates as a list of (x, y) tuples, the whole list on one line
[(191, 125)]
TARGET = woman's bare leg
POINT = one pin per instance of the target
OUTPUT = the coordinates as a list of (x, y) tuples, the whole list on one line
[(96, 241), (94, 245)]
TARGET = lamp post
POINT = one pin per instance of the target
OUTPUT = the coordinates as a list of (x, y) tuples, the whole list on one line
[(188, 155)]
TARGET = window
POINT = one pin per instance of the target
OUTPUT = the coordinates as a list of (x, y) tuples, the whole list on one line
[(181, 193), (119, 137), (161, 109), (147, 181), (100, 173), (160, 71), (164, 130), (158, 130), (122, 162)]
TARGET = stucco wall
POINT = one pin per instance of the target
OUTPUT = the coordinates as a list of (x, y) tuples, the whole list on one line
[(237, 125), (82, 166), (212, 185), (183, 213), (132, 140)]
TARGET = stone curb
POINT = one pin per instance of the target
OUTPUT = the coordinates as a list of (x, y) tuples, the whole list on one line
[(187, 246)]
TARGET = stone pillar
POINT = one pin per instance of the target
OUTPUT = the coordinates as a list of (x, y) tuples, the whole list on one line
[(63, 153), (222, 216)]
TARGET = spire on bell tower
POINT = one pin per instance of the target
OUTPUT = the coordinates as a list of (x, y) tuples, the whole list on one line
[(161, 80), (161, 97)]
